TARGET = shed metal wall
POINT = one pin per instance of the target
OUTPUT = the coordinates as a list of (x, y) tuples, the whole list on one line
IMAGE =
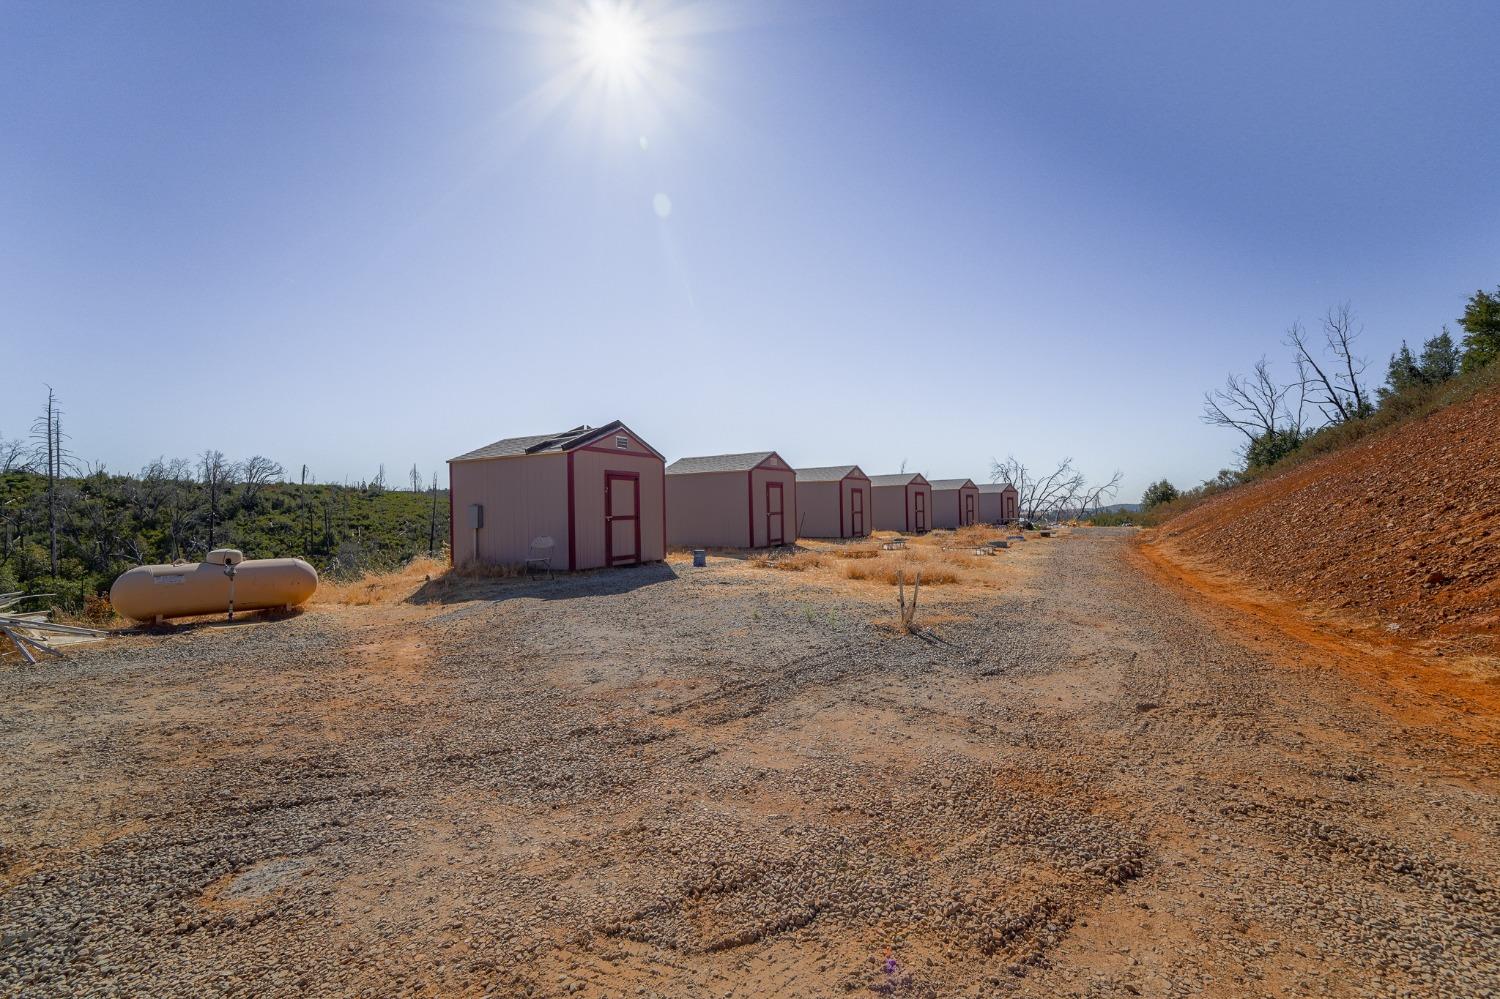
[(531, 496), (772, 470), (523, 499), (589, 467), (707, 510), (728, 509), (948, 506), (818, 508), (896, 507), (998, 507), (847, 489)]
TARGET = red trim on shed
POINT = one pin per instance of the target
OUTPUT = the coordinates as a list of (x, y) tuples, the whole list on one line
[(614, 428), (572, 528), (750, 508), (780, 512), (634, 478)]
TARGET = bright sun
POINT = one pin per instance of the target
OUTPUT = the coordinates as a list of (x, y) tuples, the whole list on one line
[(613, 41)]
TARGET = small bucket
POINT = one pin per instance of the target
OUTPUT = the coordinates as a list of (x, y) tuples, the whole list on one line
[(700, 558)]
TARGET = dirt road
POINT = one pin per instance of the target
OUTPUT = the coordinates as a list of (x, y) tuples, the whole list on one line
[(728, 782)]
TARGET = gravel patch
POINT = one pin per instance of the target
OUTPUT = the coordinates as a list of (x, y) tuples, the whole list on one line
[(729, 782)]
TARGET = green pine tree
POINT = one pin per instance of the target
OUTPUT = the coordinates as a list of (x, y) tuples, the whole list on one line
[(1481, 323), (1401, 374), (1440, 358)]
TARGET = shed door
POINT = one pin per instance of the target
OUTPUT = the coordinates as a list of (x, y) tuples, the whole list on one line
[(856, 512), (968, 509), (919, 501), (622, 518), (775, 516)]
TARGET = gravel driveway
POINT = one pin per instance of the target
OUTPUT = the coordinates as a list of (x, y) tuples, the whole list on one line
[(729, 782)]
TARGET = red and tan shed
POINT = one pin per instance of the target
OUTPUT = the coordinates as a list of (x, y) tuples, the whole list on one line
[(731, 501), (902, 502), (998, 503), (598, 492), (833, 502), (955, 503)]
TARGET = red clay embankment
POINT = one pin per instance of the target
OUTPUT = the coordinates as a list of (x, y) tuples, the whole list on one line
[(1398, 535)]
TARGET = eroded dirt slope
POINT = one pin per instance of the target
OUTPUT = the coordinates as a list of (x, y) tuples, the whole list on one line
[(1400, 533)]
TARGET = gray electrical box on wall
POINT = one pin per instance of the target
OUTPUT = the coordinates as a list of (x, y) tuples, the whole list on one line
[(476, 516)]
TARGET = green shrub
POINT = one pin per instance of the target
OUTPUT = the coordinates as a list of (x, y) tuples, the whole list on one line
[(1158, 493)]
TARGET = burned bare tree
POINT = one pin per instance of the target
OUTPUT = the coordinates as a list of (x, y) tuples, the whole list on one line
[(15, 455), (1093, 497), (1037, 495), (1253, 404), (1332, 385), (51, 452), (1048, 492), (218, 474), (1340, 332), (257, 472), (1011, 472)]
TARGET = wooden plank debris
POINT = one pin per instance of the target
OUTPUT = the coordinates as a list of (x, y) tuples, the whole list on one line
[(31, 632)]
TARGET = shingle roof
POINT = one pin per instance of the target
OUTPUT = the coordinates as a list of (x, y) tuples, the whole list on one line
[(718, 463), (950, 483), (995, 487), (828, 473), (565, 440), (900, 479)]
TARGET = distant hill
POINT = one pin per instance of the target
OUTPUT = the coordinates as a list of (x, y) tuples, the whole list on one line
[(1121, 508)]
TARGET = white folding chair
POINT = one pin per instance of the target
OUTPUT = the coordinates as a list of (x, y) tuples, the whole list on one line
[(540, 557)]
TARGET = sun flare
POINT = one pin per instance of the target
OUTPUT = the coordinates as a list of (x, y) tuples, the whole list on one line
[(613, 41)]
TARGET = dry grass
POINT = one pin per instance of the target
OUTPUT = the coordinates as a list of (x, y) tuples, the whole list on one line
[(944, 558), (893, 572), (973, 537), (384, 588), (800, 562), (97, 612)]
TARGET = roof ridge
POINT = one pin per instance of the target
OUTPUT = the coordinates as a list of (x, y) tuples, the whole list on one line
[(556, 439)]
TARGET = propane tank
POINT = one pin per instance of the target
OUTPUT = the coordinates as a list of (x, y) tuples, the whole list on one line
[(225, 581)]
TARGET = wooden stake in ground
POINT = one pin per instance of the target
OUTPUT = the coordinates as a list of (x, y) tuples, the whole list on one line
[(908, 614)]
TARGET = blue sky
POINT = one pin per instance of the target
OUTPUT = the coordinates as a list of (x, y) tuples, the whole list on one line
[(353, 233)]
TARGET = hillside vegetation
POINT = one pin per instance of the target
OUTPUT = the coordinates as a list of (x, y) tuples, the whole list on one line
[(108, 523), (1399, 530)]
